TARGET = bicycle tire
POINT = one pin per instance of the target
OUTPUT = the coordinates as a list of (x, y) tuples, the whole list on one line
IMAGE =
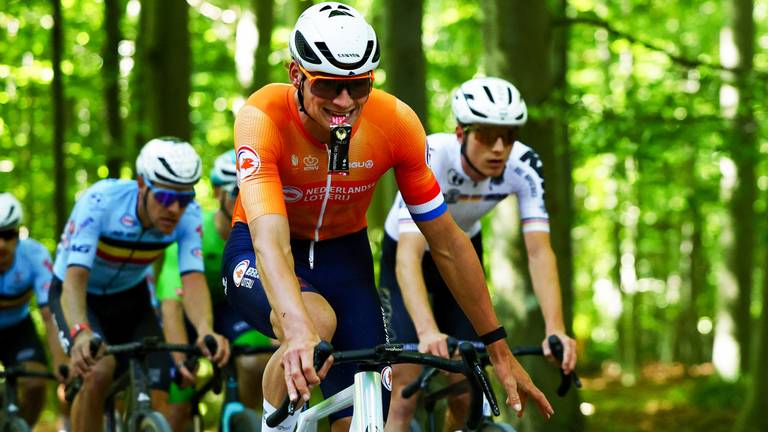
[(245, 421), (497, 427), (16, 424), (153, 421)]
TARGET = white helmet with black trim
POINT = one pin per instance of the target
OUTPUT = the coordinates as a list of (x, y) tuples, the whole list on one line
[(224, 170), (10, 211), (491, 101), (169, 160), (333, 38)]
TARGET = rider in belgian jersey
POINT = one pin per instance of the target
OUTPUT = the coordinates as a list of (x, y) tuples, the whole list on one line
[(25, 268), (298, 263), (477, 167), (113, 235)]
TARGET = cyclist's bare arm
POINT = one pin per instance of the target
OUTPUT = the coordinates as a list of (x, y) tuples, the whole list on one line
[(271, 243), (410, 277), (197, 305), (542, 265), (74, 288), (460, 267), (175, 332), (59, 357)]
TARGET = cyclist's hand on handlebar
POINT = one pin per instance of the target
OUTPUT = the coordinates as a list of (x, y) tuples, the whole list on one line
[(516, 381), (435, 343), (187, 375), (569, 352), (298, 365), (81, 360), (221, 356)]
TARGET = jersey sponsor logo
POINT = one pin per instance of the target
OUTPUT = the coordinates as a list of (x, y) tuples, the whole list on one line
[(96, 199), (224, 284), (197, 252), (311, 163), (128, 220), (367, 164), (452, 196), (199, 230), (455, 178), (252, 272), (48, 265), (248, 163), (84, 224), (239, 272), (338, 193), (294, 160), (292, 194), (80, 248), (386, 377)]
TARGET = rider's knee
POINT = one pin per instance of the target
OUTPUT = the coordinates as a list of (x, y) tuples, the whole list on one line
[(322, 314)]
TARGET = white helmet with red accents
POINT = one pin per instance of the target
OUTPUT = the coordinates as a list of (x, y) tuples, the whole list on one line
[(169, 160), (10, 211), (491, 101), (333, 38)]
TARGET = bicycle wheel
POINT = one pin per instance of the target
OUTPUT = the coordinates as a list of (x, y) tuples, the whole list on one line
[(245, 421), (153, 421), (497, 427), (16, 424)]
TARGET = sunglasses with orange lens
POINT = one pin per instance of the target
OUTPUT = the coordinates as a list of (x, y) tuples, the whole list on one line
[(330, 86), (489, 134)]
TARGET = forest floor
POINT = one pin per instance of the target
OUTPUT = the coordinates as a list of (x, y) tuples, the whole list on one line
[(665, 398)]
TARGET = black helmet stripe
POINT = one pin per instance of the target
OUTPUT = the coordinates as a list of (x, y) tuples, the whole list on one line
[(488, 93), (167, 166), (326, 52), (509, 95)]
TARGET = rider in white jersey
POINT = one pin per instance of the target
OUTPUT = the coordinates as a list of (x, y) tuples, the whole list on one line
[(477, 167)]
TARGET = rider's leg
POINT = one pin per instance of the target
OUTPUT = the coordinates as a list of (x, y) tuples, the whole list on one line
[(178, 414), (89, 403), (160, 404), (458, 407), (32, 393), (250, 370), (401, 410)]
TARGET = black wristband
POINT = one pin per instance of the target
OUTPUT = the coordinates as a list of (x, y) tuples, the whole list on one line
[(493, 336)]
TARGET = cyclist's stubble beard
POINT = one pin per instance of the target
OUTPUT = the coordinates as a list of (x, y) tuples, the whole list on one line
[(153, 213)]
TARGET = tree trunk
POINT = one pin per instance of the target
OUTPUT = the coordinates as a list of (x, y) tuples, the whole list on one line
[(264, 10), (745, 154), (752, 417), (111, 75), (529, 34), (59, 170), (166, 63), (403, 54)]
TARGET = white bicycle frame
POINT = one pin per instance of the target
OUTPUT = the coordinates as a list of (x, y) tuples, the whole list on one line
[(365, 398)]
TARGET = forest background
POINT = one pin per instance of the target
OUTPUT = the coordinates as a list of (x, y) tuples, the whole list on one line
[(649, 117)]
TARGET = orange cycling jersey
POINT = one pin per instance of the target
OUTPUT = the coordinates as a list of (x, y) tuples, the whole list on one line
[(282, 169)]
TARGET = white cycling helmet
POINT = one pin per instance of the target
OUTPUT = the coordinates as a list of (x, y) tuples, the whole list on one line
[(224, 170), (170, 161), (333, 38), (491, 101), (10, 211)]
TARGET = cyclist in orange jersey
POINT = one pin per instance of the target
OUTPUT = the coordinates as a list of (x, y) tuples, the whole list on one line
[(298, 264)]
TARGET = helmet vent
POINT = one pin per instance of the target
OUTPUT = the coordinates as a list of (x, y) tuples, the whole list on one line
[(509, 95), (325, 8), (488, 92), (338, 13), (341, 6), (477, 113), (376, 54), (326, 52), (305, 52)]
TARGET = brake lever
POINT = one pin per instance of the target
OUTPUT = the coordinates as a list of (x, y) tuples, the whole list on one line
[(565, 380), (469, 355)]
